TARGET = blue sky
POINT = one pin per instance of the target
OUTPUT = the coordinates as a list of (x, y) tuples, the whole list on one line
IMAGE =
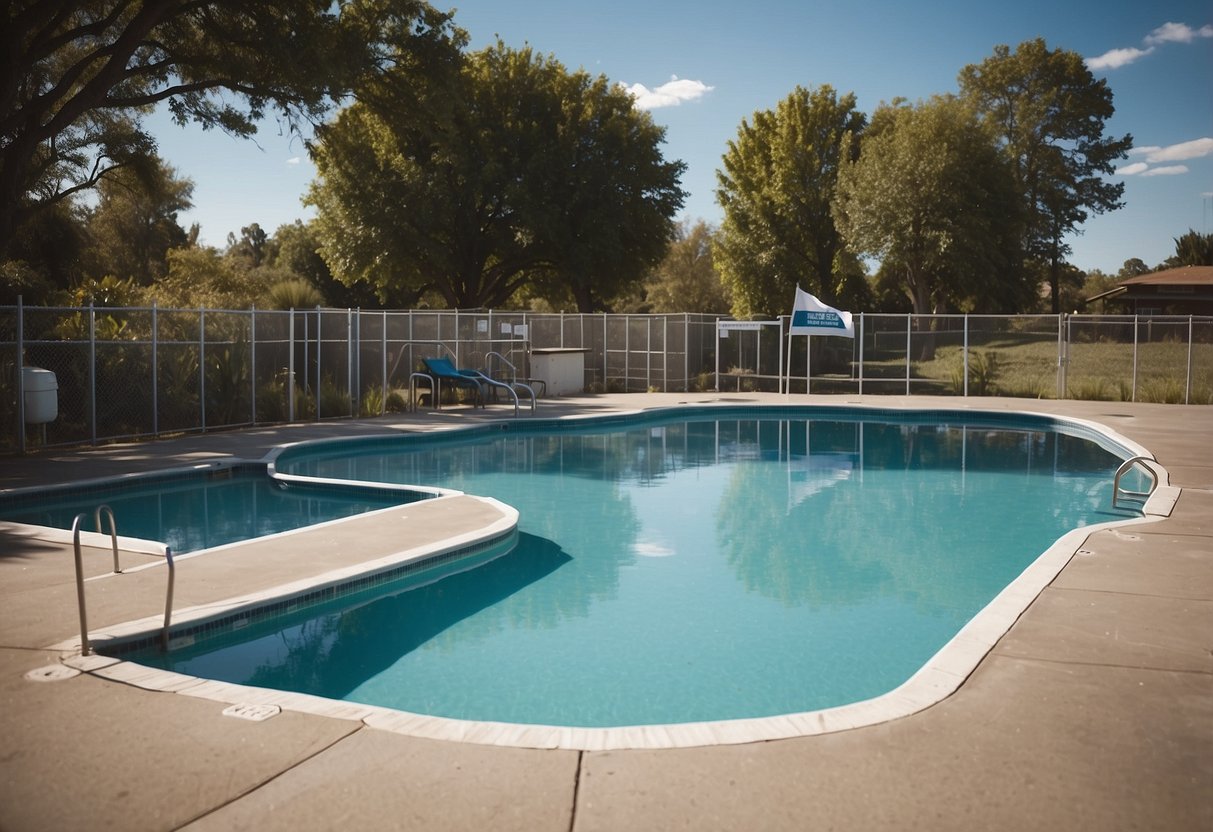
[(701, 67)]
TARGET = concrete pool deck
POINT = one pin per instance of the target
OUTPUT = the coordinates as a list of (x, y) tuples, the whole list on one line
[(1094, 711)]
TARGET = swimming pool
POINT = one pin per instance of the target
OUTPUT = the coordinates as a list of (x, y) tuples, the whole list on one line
[(202, 508), (716, 566)]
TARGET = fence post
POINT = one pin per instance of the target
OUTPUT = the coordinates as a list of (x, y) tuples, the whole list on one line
[(604, 352), (627, 353), (862, 333), (92, 371), (908, 324), (20, 375), (965, 356), (1134, 397), (290, 368), (665, 353), (686, 352), (319, 348), (252, 339), (350, 363), (1188, 383), (648, 353), (717, 351), (383, 359), (1061, 356), (155, 370), (202, 366)]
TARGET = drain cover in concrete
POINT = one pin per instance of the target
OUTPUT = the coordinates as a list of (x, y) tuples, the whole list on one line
[(52, 673), (253, 713)]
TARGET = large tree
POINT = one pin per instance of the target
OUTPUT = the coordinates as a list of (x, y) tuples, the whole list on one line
[(296, 248), (508, 170), (604, 197), (932, 198), (686, 280), (134, 222), (776, 188), (77, 77), (1192, 249), (1049, 113)]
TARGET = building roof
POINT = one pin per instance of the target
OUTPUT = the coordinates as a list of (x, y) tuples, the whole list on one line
[(1182, 276)]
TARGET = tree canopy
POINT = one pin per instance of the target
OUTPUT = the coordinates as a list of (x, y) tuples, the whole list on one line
[(1192, 249), (134, 222), (776, 188), (931, 196), (78, 77), (1049, 112), (686, 280), (504, 171)]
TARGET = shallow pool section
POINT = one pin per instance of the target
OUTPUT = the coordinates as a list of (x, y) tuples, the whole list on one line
[(686, 570), (201, 509)]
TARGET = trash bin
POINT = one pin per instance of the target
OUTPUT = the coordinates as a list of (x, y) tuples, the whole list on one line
[(41, 395)]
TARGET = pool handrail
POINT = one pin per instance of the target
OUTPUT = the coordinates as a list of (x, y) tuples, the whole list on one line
[(108, 512), (1143, 462), (85, 647), (526, 382)]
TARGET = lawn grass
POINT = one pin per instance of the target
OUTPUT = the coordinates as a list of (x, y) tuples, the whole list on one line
[(1026, 366)]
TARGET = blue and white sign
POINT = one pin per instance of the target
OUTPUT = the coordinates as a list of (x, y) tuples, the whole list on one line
[(812, 317)]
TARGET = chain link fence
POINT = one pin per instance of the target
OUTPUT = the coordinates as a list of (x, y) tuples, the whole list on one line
[(1115, 358), (124, 373)]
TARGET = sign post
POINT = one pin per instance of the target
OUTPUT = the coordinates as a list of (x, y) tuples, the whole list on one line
[(812, 317)]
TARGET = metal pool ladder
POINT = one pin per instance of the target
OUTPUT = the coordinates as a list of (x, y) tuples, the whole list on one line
[(104, 510), (1142, 462)]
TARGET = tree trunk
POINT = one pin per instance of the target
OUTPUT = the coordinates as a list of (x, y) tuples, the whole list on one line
[(1054, 280), (922, 305), (583, 296)]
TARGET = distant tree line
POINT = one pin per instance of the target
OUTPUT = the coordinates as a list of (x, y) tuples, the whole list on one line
[(499, 178)]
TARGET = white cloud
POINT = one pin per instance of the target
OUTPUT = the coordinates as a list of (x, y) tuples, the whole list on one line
[(1166, 33), (651, 550), (1178, 33), (294, 160), (670, 94), (1154, 154), (1130, 170), (1194, 149), (1168, 170), (1116, 58)]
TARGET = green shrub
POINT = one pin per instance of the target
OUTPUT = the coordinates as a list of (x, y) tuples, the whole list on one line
[(1092, 389), (334, 400), (1028, 388), (1163, 390), (373, 404), (983, 371)]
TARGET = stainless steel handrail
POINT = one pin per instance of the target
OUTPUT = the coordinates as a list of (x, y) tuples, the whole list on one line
[(1125, 467), (529, 383), (85, 647), (113, 529), (488, 364), (510, 387), (435, 389)]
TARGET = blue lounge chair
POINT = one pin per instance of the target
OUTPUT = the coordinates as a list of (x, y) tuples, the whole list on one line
[(441, 369)]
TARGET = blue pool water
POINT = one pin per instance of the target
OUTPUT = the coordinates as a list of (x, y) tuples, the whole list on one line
[(684, 570), (200, 510)]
